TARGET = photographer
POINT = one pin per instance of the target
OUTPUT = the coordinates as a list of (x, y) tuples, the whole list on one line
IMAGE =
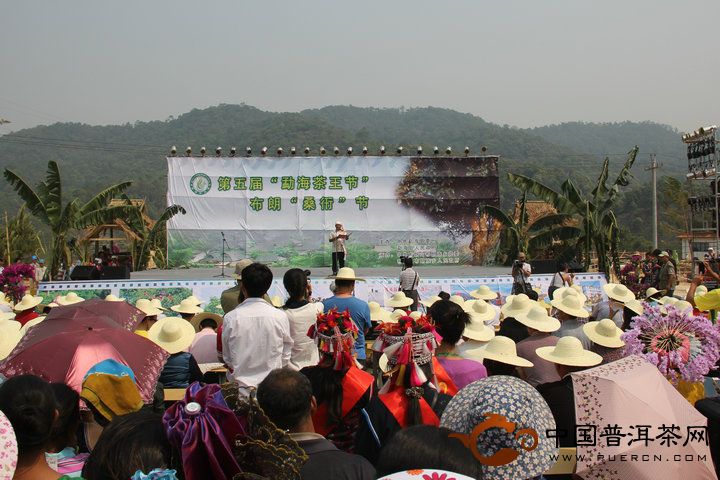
[(521, 272), (409, 280)]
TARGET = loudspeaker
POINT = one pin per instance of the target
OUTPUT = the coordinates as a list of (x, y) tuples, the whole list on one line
[(82, 272), (115, 273)]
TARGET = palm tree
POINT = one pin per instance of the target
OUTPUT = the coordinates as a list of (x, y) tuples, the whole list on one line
[(600, 229), (149, 237), (46, 203), (538, 235)]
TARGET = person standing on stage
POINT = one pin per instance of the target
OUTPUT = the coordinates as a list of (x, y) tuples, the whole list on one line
[(337, 238), (409, 280)]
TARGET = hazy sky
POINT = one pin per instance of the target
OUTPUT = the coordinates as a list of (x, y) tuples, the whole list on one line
[(524, 63)]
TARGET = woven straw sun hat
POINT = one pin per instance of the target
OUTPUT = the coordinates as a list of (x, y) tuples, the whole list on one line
[(347, 273), (157, 303), (652, 291), (667, 300), (195, 300), (501, 349), (377, 313), (430, 301), (399, 299), (240, 266), (457, 299), (570, 291), (35, 321), (516, 305), (636, 306), (683, 306), (569, 351), (700, 290), (619, 292), (478, 331), (605, 333), (479, 310), (10, 335), (484, 293), (571, 304), (6, 316), (187, 306), (70, 299), (146, 306), (113, 298), (173, 334), (28, 302), (195, 321), (538, 319)]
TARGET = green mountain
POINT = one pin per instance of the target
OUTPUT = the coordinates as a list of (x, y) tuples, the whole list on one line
[(94, 156)]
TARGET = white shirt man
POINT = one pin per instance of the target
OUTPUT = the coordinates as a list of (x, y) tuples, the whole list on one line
[(256, 336)]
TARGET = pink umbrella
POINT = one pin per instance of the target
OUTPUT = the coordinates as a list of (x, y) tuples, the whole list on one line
[(121, 313), (643, 428), (64, 349)]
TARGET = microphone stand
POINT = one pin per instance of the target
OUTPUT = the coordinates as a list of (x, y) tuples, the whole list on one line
[(222, 260)]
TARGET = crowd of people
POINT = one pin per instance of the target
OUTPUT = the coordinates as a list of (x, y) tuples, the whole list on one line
[(340, 389)]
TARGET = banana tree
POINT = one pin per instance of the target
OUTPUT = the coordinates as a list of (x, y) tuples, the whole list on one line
[(536, 236), (46, 203), (599, 225)]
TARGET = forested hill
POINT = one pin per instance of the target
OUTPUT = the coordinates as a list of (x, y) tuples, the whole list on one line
[(92, 157)]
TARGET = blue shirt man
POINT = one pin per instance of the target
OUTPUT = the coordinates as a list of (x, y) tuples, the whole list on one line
[(344, 300)]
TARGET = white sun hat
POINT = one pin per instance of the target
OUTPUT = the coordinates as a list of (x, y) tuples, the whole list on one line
[(70, 299), (516, 305), (146, 306), (571, 304), (430, 301), (700, 290), (652, 291), (10, 335), (113, 298), (28, 302), (157, 303), (276, 301), (683, 306), (457, 299), (668, 300), (619, 292), (173, 334), (636, 306), (377, 313), (479, 310), (347, 273), (538, 319), (605, 333), (570, 291), (478, 331), (195, 300), (399, 299), (31, 324), (187, 306), (501, 349), (6, 316), (569, 351), (396, 314), (484, 293)]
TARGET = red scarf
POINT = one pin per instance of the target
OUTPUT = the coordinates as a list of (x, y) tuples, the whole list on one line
[(355, 385), (445, 383), (398, 403), (25, 316)]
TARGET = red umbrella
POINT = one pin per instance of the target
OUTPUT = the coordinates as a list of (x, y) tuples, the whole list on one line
[(62, 349), (121, 313)]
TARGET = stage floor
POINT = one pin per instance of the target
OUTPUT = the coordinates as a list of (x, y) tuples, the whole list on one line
[(455, 271)]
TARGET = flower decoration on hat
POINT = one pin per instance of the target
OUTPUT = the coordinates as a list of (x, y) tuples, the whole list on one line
[(334, 334), (407, 344)]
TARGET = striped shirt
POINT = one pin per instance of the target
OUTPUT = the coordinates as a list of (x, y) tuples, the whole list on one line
[(409, 279)]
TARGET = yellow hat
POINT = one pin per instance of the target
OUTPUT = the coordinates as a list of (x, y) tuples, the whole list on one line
[(604, 333), (173, 334)]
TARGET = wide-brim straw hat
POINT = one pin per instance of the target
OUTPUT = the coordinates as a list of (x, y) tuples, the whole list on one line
[(195, 300), (113, 298), (347, 273), (667, 300), (458, 299), (28, 302), (516, 305), (484, 293), (538, 319), (569, 351), (195, 321), (146, 306), (173, 334), (501, 349), (700, 290), (4, 299), (377, 313), (399, 299), (187, 306), (564, 291), (477, 330), (4, 316), (479, 310), (276, 301), (636, 306), (70, 299), (32, 323), (10, 335), (240, 266), (571, 304), (619, 292), (604, 333), (429, 302), (396, 314), (683, 306), (653, 291)]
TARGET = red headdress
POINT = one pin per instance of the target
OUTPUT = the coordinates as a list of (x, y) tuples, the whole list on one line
[(334, 334)]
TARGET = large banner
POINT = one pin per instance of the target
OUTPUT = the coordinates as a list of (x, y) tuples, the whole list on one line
[(281, 210)]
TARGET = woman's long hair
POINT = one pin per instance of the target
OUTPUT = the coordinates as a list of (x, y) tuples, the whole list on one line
[(295, 282), (327, 386)]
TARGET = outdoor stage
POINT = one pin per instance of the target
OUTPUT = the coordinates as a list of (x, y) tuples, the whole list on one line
[(171, 286)]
